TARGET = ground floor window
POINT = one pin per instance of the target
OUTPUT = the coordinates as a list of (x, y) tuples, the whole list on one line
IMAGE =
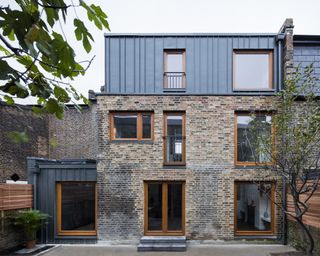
[(76, 208), (254, 210), (164, 208)]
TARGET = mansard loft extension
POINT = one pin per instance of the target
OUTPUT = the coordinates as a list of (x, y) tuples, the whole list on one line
[(216, 64)]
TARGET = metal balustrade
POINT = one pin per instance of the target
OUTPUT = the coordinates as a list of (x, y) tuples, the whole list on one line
[(174, 149), (175, 80)]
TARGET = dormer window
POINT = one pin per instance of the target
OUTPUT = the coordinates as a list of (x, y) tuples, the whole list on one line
[(174, 76), (252, 70)]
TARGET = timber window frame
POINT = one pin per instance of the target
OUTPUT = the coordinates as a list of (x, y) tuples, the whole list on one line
[(139, 125), (59, 214), (257, 87), (174, 80), (167, 162), (271, 199), (236, 142)]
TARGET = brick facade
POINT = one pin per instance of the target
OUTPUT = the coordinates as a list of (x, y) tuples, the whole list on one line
[(209, 174), (73, 137), (13, 156)]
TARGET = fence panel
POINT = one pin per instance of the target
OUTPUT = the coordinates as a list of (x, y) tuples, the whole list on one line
[(15, 196)]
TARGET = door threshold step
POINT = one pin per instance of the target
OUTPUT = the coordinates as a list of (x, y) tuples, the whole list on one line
[(163, 239), (162, 247)]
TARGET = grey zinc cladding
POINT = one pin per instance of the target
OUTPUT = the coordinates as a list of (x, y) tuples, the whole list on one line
[(134, 62), (306, 51), (48, 173)]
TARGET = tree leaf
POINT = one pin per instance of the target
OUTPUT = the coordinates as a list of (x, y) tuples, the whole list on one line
[(9, 100)]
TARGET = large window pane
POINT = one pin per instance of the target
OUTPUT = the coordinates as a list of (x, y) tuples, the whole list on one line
[(174, 206), (247, 142), (254, 206), (155, 206), (78, 206), (252, 71), (175, 62), (125, 126)]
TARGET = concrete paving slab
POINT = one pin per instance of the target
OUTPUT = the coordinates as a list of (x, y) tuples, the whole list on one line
[(193, 250)]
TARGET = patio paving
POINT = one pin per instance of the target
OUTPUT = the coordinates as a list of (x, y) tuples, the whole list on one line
[(196, 250)]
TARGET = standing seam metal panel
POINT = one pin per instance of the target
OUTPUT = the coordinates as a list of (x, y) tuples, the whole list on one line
[(135, 64)]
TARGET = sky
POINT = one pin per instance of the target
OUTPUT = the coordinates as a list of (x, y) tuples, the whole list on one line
[(188, 16)]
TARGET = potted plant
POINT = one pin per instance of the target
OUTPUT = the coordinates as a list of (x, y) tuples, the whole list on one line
[(30, 222)]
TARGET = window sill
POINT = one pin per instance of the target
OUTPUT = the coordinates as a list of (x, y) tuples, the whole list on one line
[(174, 89), (248, 167), (170, 166), (133, 141), (253, 90)]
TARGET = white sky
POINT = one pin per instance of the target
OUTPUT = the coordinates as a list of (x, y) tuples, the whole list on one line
[(213, 16)]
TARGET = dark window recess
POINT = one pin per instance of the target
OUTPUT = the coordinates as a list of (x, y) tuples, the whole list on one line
[(125, 126), (146, 126), (174, 206), (155, 206), (77, 206), (131, 126)]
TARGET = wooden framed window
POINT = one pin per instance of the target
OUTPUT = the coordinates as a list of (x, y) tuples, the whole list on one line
[(246, 143), (164, 208), (174, 139), (174, 75), (76, 208), (131, 125), (254, 209), (252, 70)]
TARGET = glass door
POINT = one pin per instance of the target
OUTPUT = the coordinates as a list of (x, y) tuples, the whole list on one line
[(164, 208)]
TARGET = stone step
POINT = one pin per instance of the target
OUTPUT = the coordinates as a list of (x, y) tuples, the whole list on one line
[(162, 247), (163, 239)]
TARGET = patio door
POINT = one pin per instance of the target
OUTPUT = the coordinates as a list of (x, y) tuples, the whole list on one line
[(164, 208)]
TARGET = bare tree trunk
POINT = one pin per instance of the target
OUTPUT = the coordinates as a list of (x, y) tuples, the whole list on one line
[(308, 235)]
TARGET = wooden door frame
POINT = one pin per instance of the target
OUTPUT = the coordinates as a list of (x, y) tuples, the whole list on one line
[(164, 230)]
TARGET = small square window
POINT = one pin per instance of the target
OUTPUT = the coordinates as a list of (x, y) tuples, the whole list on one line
[(252, 70), (174, 69)]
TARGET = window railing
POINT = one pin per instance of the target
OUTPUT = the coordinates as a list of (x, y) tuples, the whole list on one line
[(175, 80), (174, 146)]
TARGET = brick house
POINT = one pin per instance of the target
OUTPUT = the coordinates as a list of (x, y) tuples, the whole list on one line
[(172, 119), (169, 132)]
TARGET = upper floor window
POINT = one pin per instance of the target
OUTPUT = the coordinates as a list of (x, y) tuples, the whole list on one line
[(174, 138), (254, 139), (174, 69), (252, 70), (131, 126)]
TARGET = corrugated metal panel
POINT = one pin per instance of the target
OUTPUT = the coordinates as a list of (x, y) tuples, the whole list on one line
[(49, 173), (134, 63)]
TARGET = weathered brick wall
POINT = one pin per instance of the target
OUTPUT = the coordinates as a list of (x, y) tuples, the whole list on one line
[(10, 237), (210, 172), (75, 136), (13, 156)]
